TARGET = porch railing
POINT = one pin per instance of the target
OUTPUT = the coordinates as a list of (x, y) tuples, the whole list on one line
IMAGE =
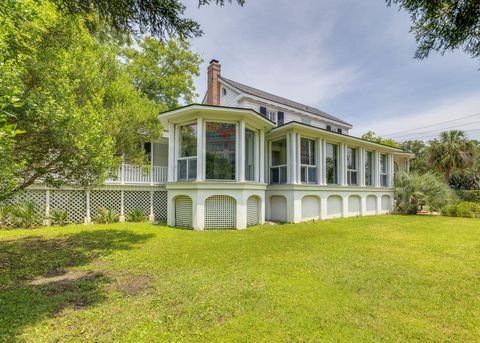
[(135, 174)]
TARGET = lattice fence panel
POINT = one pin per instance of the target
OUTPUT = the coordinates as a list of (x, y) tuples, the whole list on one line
[(253, 210), (70, 200), (220, 212), (106, 199), (38, 197), (137, 199), (160, 202), (183, 212)]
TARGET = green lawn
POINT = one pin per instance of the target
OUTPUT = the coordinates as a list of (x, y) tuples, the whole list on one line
[(389, 278)]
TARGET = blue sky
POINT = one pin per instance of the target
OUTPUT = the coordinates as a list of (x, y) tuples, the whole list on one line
[(353, 59)]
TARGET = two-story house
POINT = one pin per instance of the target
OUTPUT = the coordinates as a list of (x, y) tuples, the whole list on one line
[(240, 158), (245, 156)]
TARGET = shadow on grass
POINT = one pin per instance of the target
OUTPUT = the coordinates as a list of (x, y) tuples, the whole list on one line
[(35, 282)]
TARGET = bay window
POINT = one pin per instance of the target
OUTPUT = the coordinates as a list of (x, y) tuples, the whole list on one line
[(308, 169), (383, 171), (249, 155), (187, 159), (278, 169), (368, 168), (331, 159), (352, 169), (220, 143)]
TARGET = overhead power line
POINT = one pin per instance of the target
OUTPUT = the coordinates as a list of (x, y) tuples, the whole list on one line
[(431, 125), (436, 130), (432, 136)]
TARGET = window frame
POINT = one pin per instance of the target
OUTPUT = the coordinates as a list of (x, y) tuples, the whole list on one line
[(383, 174), (352, 171), (281, 168), (371, 167), (187, 159), (255, 153), (336, 169), (205, 148), (306, 168)]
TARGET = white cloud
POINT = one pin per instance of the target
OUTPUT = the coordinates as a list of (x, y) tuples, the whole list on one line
[(445, 110)]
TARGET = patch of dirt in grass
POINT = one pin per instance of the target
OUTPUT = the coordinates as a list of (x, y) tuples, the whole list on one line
[(131, 285), (68, 277)]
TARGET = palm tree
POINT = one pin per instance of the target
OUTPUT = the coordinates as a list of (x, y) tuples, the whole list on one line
[(452, 151)]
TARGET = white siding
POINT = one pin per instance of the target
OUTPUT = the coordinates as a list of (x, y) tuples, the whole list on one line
[(228, 99)]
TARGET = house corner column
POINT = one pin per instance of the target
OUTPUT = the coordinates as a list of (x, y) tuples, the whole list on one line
[(241, 152), (170, 209), (262, 159), (361, 166), (318, 159), (171, 153), (241, 211), (298, 160), (200, 152)]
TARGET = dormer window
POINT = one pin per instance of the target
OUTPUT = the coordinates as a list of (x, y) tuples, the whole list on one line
[(329, 128), (339, 131)]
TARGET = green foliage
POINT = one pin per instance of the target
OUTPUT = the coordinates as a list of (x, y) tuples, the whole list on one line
[(23, 216), (80, 104), (462, 209), (444, 25), (164, 71), (418, 164), (414, 191), (106, 216), (59, 216), (136, 215), (469, 195), (452, 151), (468, 178), (162, 18), (372, 137)]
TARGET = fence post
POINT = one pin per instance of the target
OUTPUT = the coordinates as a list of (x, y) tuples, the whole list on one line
[(122, 207), (47, 221), (88, 218), (151, 217)]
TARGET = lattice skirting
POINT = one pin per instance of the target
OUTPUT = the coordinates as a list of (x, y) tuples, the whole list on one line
[(220, 212), (75, 202)]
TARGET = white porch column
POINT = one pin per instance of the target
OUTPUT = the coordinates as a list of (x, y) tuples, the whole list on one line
[(171, 153), (241, 152), (361, 166), (261, 161), (151, 217), (170, 209), (379, 204), (390, 170), (344, 206), (291, 158), (318, 158), (323, 158), (376, 169), (297, 160), (342, 165), (88, 218), (269, 161), (200, 152), (151, 162), (47, 221), (262, 210), (122, 207)]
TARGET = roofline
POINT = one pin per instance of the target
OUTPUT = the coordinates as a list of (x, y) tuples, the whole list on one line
[(292, 123), (339, 121), (241, 109)]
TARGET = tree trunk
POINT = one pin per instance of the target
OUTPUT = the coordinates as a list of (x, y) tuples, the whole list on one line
[(447, 176)]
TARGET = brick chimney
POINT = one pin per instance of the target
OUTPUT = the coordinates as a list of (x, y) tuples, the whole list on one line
[(213, 91)]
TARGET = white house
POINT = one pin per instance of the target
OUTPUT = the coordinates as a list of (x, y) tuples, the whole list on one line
[(245, 156), (241, 157)]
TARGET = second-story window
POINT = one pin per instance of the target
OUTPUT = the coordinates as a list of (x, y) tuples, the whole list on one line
[(368, 168), (220, 145), (308, 168), (187, 159), (383, 171), (331, 159), (352, 169), (278, 169)]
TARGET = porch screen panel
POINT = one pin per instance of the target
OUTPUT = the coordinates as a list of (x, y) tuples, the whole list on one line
[(332, 163), (278, 169), (249, 155), (187, 161), (368, 168)]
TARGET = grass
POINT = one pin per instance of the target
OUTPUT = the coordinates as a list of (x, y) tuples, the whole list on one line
[(389, 278)]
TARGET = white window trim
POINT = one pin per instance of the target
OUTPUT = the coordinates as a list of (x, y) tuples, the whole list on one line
[(350, 171)]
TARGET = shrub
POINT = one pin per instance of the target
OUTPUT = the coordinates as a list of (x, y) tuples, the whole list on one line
[(106, 216), (413, 191), (136, 215), (59, 216), (464, 209), (24, 215), (470, 196)]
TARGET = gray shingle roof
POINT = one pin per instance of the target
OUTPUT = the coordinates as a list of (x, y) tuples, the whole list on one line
[(280, 100)]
